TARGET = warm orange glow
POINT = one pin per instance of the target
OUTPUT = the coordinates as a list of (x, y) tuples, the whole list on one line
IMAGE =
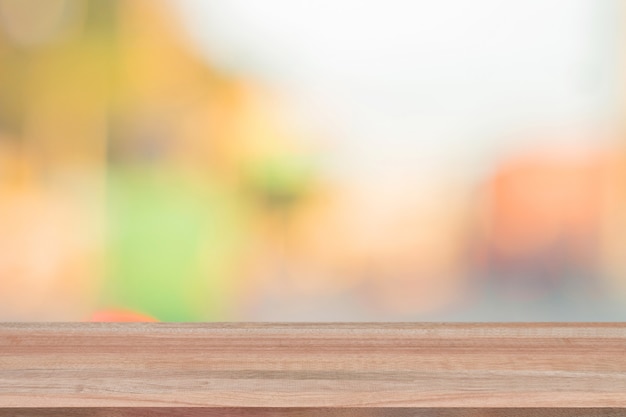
[(121, 316)]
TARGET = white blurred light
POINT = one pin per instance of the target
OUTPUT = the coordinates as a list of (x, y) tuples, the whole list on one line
[(411, 87)]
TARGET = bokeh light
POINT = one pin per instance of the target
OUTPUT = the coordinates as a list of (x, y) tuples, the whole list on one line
[(222, 160)]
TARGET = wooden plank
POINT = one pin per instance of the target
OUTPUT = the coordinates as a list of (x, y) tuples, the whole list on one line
[(312, 412), (374, 365)]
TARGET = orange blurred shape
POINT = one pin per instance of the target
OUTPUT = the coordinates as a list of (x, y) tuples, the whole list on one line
[(120, 316), (538, 198)]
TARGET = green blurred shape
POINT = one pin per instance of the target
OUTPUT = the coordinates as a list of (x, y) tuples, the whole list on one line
[(280, 180), (173, 245)]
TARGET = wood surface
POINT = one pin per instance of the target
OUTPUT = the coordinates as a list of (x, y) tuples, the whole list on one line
[(338, 369), (312, 412)]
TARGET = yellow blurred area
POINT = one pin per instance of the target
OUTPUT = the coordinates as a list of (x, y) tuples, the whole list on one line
[(138, 175)]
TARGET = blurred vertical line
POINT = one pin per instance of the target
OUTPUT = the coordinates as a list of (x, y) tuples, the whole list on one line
[(614, 12), (613, 226), (618, 12)]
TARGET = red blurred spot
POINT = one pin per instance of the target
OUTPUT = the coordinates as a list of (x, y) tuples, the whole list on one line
[(121, 316)]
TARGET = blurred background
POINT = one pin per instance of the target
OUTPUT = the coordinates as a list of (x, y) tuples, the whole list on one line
[(281, 160)]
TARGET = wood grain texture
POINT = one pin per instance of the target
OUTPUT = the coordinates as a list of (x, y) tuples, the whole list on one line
[(312, 412), (312, 365)]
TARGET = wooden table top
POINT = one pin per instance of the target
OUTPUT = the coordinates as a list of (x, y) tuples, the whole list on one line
[(337, 368)]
